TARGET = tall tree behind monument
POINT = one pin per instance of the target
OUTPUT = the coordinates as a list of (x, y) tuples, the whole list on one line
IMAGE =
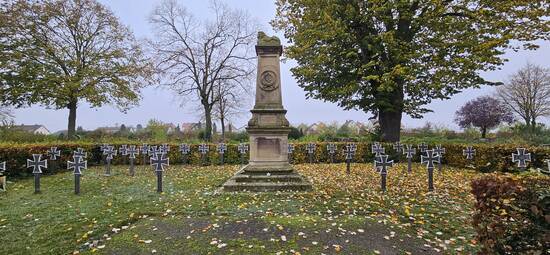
[(196, 56), (61, 52), (393, 57)]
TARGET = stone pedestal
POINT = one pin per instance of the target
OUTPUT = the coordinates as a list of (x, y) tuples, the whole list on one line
[(268, 168)]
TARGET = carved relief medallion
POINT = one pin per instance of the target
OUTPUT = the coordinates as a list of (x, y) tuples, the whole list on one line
[(269, 80)]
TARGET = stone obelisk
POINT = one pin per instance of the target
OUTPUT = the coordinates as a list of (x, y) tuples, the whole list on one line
[(268, 168)]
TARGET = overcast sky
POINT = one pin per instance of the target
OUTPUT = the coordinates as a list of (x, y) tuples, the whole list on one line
[(162, 105)]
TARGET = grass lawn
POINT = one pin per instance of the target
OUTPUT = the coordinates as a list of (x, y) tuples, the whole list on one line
[(344, 214)]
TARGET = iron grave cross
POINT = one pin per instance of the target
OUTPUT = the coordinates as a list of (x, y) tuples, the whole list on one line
[(290, 151), (349, 151), (521, 158), (382, 164), (144, 149), (109, 153), (221, 150), (398, 147), (310, 148), (132, 152), (422, 147), (184, 149), (203, 149), (409, 151), (378, 150), (243, 148), (331, 148), (158, 161), (429, 160), (77, 165), (37, 164), (469, 152), (439, 151), (80, 153), (53, 152)]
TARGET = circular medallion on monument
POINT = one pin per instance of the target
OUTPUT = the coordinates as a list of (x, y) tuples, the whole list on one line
[(269, 80)]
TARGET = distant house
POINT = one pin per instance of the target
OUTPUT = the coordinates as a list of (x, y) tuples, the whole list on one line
[(108, 130), (33, 129), (191, 127)]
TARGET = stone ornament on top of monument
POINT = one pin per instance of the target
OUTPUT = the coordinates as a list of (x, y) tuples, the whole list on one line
[(268, 168)]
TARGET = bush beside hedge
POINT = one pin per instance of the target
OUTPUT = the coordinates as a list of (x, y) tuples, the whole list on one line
[(512, 215), (488, 158)]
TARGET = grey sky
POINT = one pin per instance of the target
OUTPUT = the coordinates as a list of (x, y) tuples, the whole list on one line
[(162, 105)]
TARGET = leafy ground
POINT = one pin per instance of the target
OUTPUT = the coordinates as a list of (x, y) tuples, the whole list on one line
[(344, 214)]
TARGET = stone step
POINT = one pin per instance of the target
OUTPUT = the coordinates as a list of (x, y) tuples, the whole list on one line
[(265, 178), (266, 186)]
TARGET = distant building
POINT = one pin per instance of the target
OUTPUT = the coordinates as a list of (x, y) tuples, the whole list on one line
[(33, 129), (112, 130), (191, 127)]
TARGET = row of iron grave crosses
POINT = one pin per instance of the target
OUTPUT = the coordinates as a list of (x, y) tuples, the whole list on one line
[(158, 159)]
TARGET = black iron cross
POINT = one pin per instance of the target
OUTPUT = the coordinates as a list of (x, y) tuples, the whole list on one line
[(469, 152), (203, 148), (53, 152), (2, 167), (37, 163), (144, 149), (409, 151), (349, 151), (132, 151), (103, 147), (80, 153), (429, 160), (331, 148), (159, 161), (378, 150), (382, 164), (165, 148), (310, 148), (222, 148), (243, 148), (521, 157), (398, 147), (109, 152), (77, 165), (374, 146), (290, 150), (153, 150), (184, 148), (123, 150), (439, 151), (422, 147)]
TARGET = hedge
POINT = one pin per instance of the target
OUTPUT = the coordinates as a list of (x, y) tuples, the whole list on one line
[(488, 158), (512, 214)]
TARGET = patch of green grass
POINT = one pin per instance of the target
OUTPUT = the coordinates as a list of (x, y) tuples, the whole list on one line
[(341, 208)]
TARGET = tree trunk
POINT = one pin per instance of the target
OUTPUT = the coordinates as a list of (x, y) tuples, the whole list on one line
[(222, 121), (208, 124), (390, 125), (71, 129), (483, 133)]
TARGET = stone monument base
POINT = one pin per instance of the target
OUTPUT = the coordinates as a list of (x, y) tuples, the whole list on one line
[(259, 179)]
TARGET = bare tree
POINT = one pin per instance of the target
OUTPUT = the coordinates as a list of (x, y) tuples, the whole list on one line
[(231, 104), (527, 93), (194, 57)]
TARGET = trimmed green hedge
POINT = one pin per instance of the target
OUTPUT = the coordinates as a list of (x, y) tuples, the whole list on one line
[(488, 157)]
